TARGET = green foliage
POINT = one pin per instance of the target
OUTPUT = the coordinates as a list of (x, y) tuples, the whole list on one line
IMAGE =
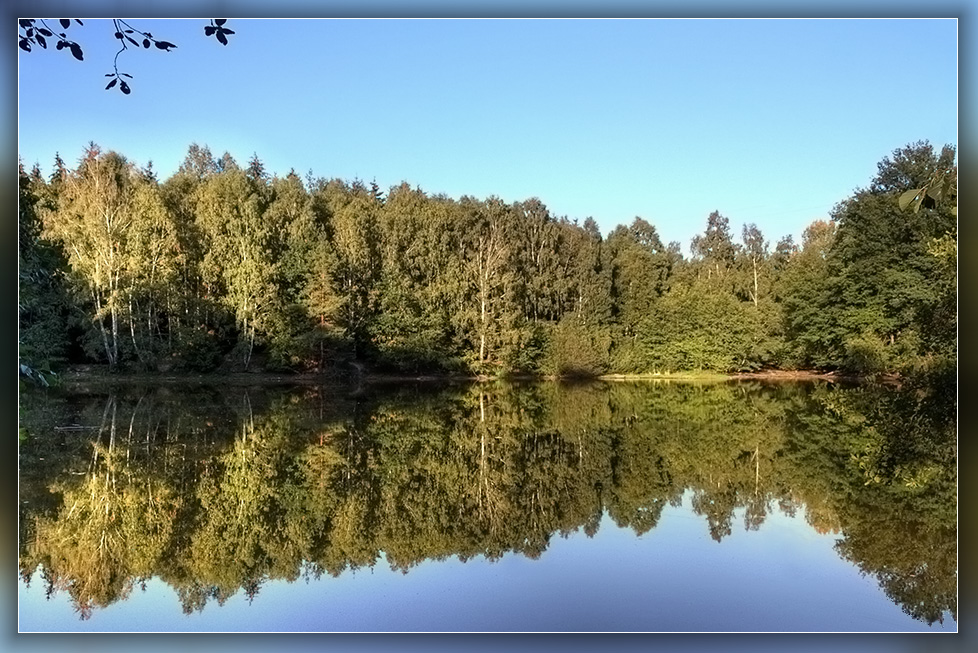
[(43, 300), (239, 256), (937, 319), (355, 238), (200, 350), (811, 334), (640, 266), (872, 296), (866, 354), (882, 283), (577, 350), (715, 248), (220, 263), (695, 328)]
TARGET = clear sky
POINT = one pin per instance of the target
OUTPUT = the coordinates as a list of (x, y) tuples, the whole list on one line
[(766, 121)]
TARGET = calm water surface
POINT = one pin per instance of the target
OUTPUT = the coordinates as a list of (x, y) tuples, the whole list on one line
[(492, 507)]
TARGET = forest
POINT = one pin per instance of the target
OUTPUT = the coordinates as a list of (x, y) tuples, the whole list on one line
[(227, 268)]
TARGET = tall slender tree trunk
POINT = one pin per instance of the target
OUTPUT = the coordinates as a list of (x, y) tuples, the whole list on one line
[(251, 346), (482, 323), (114, 308), (101, 327), (247, 330), (112, 427), (113, 274), (757, 468), (483, 483), (171, 324), (132, 328), (754, 261), (115, 333)]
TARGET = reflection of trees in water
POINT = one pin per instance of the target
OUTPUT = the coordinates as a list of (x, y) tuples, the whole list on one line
[(880, 468), (217, 493), (115, 522), (915, 563), (908, 477)]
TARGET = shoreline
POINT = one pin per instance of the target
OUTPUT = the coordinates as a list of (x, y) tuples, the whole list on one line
[(103, 375)]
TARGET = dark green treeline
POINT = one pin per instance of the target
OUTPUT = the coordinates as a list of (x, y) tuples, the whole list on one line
[(217, 491), (222, 267)]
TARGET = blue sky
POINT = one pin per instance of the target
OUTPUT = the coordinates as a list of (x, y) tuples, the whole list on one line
[(767, 121)]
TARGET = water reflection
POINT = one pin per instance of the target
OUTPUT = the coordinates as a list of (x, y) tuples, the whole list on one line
[(217, 491)]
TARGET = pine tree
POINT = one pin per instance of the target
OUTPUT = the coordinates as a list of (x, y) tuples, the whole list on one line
[(42, 298)]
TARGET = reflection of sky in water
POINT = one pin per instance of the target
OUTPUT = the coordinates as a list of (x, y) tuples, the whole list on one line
[(785, 576)]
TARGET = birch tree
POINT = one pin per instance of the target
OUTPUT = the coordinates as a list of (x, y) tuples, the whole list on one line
[(238, 260), (96, 209)]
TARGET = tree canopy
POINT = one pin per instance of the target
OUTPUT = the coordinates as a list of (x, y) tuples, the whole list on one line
[(223, 267)]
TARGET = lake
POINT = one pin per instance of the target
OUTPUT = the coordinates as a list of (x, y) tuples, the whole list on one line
[(638, 507)]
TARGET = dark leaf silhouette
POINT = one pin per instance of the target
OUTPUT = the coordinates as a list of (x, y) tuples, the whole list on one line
[(112, 83), (33, 34), (126, 75), (124, 87), (217, 30)]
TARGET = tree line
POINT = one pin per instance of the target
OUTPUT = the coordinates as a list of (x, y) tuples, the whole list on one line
[(223, 267)]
